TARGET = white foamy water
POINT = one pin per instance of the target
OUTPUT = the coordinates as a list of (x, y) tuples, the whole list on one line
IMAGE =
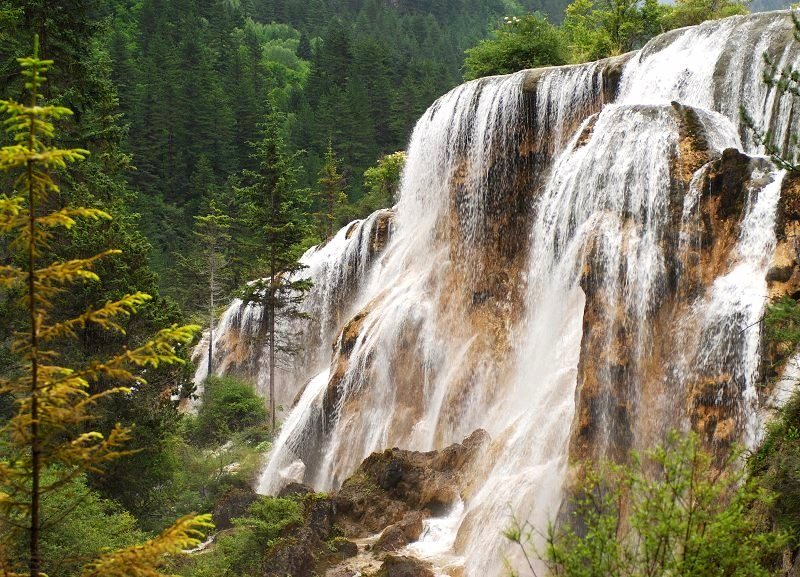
[(610, 316)]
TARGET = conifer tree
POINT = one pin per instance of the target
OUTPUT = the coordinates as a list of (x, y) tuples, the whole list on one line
[(212, 232), (45, 443), (277, 211), (331, 194)]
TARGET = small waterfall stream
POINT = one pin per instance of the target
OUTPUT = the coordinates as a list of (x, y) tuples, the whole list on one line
[(548, 278)]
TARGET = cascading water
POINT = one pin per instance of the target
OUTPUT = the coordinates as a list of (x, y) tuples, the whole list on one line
[(565, 271), (337, 270)]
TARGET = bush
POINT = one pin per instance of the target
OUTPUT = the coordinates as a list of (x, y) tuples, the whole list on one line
[(229, 406), (691, 12), (523, 42), (776, 465), (88, 526), (239, 552), (673, 512)]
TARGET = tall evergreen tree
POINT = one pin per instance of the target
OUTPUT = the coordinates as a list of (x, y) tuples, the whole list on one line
[(278, 213), (209, 263), (43, 446)]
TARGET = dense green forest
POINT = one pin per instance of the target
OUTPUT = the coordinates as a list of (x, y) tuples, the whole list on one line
[(196, 78)]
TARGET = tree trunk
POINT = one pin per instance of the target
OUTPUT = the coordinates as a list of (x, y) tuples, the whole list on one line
[(330, 212), (211, 313), (36, 456), (271, 312)]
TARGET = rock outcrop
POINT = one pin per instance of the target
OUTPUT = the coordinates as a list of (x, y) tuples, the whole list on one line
[(391, 494), (389, 487)]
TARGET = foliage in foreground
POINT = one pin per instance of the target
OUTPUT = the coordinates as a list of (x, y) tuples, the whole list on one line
[(47, 444), (672, 511), (238, 553)]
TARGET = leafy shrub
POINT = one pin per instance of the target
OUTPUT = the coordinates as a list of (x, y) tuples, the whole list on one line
[(229, 406), (672, 512), (523, 42), (238, 553)]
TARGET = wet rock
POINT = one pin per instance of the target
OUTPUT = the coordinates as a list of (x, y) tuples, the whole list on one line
[(780, 273), (693, 147), (400, 566), (406, 531), (388, 485), (232, 504), (380, 237), (295, 489)]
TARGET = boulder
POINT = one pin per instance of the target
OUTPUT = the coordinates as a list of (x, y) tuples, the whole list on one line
[(400, 566), (294, 489), (232, 504), (388, 485), (320, 517), (406, 531), (294, 555)]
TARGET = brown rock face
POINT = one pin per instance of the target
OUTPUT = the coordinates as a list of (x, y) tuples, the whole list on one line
[(398, 566), (390, 485), (618, 384)]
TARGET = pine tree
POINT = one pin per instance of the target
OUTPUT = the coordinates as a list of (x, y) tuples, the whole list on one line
[(277, 211), (45, 443), (332, 194), (212, 232)]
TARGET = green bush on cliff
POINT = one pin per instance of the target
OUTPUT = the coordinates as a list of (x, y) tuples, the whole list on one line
[(518, 43), (782, 322), (238, 553), (674, 511), (592, 29), (229, 406), (776, 465)]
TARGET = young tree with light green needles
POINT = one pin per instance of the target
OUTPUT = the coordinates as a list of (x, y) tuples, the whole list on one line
[(47, 443), (332, 193), (671, 512)]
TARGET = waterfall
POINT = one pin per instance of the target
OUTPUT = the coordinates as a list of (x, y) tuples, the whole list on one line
[(566, 269), (337, 269)]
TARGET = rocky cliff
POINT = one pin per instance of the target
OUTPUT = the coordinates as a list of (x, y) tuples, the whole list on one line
[(577, 264)]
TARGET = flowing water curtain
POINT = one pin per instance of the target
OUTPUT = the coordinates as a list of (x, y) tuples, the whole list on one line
[(409, 370)]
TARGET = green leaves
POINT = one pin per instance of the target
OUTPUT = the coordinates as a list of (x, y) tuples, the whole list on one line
[(673, 511), (519, 43)]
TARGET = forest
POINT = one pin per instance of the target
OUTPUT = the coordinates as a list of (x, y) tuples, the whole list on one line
[(163, 159)]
